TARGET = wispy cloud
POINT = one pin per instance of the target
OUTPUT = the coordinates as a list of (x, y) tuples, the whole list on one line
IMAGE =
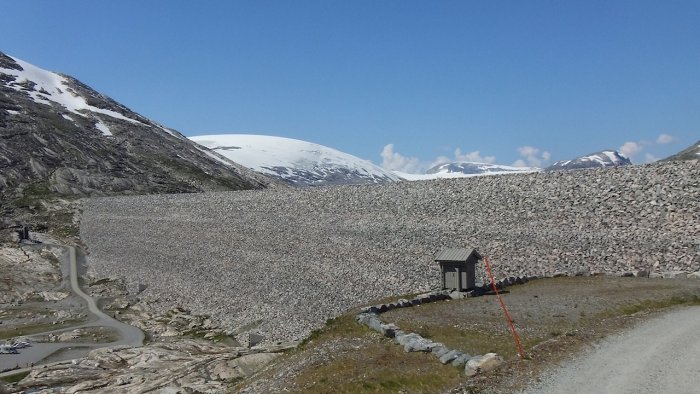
[(532, 157), (665, 139), (649, 158), (632, 149), (393, 160)]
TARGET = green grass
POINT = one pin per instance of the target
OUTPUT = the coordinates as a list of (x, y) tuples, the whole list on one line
[(474, 341), (15, 377), (379, 368), (651, 305), (33, 195), (37, 328), (342, 326)]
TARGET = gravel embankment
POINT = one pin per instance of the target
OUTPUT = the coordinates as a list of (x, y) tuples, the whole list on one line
[(638, 361), (290, 259)]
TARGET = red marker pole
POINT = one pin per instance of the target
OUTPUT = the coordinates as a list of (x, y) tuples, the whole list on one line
[(503, 306)]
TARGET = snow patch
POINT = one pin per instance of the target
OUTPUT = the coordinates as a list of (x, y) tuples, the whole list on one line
[(50, 87), (68, 117), (11, 112), (104, 129)]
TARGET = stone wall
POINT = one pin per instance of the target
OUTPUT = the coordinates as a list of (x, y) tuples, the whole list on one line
[(280, 262)]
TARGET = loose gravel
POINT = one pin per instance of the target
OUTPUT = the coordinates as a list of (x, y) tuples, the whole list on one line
[(636, 361), (281, 262)]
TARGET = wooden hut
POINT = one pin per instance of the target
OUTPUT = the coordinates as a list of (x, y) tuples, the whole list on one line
[(458, 268)]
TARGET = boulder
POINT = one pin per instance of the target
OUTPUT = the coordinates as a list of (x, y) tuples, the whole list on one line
[(419, 344), (402, 339), (449, 356), (461, 360), (439, 350), (480, 364)]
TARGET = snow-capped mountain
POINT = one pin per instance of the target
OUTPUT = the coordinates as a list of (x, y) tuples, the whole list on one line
[(296, 162), (472, 168), (690, 153), (464, 169), (606, 158), (62, 138)]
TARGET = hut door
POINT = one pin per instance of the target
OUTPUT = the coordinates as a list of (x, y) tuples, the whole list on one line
[(451, 279)]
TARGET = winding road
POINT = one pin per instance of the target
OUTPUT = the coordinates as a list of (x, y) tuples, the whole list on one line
[(659, 355), (128, 335)]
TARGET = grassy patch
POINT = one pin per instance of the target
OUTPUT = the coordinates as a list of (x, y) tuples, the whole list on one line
[(473, 341), (391, 370), (340, 327), (33, 195), (15, 377), (37, 328), (651, 305)]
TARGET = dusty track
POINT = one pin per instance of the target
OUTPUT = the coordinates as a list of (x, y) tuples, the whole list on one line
[(659, 355)]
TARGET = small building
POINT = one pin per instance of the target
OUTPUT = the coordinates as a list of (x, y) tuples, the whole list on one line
[(458, 268)]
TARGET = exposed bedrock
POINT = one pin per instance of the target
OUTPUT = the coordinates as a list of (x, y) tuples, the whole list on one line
[(281, 262)]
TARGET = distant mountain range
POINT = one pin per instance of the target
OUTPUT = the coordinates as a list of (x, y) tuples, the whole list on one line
[(62, 138), (464, 169), (296, 162), (605, 158)]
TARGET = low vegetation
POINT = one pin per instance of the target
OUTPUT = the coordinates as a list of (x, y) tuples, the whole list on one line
[(554, 317), (15, 377)]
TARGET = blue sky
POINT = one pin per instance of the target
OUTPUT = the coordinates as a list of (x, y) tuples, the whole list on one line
[(396, 82)]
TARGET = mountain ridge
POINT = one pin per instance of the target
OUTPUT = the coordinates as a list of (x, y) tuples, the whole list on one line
[(690, 153), (62, 138)]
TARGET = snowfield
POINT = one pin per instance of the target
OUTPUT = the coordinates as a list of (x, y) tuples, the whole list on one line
[(295, 161)]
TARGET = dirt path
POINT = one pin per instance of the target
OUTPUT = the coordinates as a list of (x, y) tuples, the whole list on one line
[(659, 355)]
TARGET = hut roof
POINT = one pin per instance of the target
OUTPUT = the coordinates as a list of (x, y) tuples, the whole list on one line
[(456, 254)]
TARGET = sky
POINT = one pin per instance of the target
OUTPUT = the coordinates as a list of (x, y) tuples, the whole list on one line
[(405, 84)]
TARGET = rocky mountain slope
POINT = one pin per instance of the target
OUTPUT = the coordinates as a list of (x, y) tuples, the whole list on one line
[(690, 153), (62, 138), (296, 162), (324, 250), (605, 158)]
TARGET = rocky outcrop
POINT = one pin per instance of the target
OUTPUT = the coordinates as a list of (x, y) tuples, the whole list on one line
[(183, 367), (284, 261)]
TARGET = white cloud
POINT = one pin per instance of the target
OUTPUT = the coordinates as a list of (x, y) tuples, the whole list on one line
[(649, 158), (397, 162), (474, 156), (665, 139), (531, 157), (392, 160), (630, 148)]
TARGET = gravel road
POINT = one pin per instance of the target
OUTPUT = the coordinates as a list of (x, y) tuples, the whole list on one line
[(638, 361)]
